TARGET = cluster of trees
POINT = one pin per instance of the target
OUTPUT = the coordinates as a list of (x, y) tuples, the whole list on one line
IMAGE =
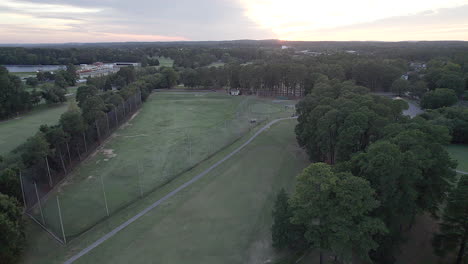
[(446, 82), (454, 118), (15, 98), (152, 78), (283, 76), (443, 73), (384, 169)]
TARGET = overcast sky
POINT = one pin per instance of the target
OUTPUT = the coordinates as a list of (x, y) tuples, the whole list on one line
[(57, 21)]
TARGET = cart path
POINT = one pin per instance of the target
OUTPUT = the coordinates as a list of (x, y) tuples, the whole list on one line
[(169, 195)]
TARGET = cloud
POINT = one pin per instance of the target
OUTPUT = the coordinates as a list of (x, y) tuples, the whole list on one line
[(45, 21), (136, 20)]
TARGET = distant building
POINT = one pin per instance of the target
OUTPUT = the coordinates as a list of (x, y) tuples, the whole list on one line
[(134, 64), (284, 47)]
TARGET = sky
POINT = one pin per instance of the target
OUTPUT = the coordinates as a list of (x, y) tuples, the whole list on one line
[(63, 21)]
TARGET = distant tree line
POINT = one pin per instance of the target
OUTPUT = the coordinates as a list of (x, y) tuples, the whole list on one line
[(380, 170)]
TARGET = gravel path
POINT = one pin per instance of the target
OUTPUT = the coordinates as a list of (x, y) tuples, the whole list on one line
[(169, 195)]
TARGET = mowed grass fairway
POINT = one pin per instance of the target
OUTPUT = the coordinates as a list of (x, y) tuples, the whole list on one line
[(171, 134), (225, 217), (460, 154), (14, 132)]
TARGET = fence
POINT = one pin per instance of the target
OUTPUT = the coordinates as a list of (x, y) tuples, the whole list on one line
[(123, 182), (38, 180)]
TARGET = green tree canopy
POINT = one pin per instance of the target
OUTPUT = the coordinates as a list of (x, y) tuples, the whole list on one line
[(438, 98), (453, 235), (12, 237), (335, 209)]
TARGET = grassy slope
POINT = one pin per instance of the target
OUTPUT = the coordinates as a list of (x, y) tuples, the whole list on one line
[(223, 218), (15, 131), (460, 154)]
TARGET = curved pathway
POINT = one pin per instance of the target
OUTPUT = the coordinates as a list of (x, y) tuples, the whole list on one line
[(169, 195)]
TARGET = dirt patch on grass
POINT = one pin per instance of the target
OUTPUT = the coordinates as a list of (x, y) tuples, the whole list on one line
[(128, 122), (108, 153)]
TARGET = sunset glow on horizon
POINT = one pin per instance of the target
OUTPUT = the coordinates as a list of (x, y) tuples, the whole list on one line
[(52, 21)]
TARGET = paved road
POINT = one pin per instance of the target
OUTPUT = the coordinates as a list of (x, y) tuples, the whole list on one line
[(414, 108), (169, 195), (462, 172)]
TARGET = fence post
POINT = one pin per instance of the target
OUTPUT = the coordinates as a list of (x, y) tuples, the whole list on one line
[(78, 150), (105, 197), (107, 119), (61, 160), (98, 132), (22, 191), (48, 171), (69, 156), (61, 222), (139, 179), (84, 140), (39, 201), (116, 119)]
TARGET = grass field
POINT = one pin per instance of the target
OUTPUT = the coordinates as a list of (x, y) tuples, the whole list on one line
[(172, 133), (460, 154), (14, 132), (24, 74), (223, 218), (216, 64), (166, 62)]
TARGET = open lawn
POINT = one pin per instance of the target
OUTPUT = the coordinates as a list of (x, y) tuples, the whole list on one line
[(172, 133), (216, 64), (225, 217), (166, 62), (24, 74), (14, 132), (460, 154)]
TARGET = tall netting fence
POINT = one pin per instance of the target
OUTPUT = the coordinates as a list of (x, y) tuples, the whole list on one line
[(81, 202), (49, 172)]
